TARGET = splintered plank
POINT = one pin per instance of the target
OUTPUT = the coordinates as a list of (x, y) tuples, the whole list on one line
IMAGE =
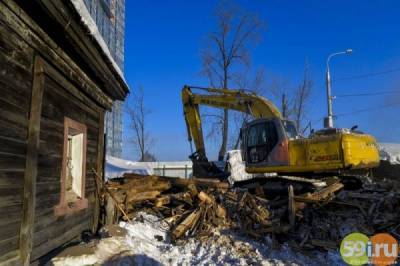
[(133, 197), (205, 197), (136, 179), (150, 186), (161, 201), (142, 183), (209, 199), (187, 223), (201, 182), (321, 195)]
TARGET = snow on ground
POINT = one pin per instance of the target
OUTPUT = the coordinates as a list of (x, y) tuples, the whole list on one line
[(390, 152), (145, 242)]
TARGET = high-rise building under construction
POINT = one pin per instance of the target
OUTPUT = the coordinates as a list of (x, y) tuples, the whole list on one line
[(109, 16)]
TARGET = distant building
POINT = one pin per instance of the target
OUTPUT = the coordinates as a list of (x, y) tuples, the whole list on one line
[(109, 16)]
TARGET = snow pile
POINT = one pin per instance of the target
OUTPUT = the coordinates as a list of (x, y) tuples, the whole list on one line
[(104, 250), (223, 248), (116, 167), (390, 152), (146, 243)]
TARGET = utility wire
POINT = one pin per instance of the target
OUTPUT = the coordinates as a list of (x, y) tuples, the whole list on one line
[(358, 111), (369, 94), (368, 109), (367, 75)]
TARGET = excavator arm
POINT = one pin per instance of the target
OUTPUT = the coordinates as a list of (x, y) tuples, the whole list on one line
[(238, 100)]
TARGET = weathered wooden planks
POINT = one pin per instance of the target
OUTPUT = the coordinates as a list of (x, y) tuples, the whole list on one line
[(34, 101), (29, 200), (15, 90), (32, 34)]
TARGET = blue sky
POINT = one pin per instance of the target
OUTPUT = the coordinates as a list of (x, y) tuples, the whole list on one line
[(162, 53)]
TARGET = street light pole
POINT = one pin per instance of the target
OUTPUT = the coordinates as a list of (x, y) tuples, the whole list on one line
[(328, 121)]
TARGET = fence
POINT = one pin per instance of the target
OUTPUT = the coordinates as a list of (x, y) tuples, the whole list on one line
[(117, 167), (178, 169)]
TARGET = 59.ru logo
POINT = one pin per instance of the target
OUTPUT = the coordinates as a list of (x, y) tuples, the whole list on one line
[(380, 249)]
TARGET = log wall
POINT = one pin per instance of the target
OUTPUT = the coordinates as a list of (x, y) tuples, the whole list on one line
[(51, 231), (15, 92), (30, 186)]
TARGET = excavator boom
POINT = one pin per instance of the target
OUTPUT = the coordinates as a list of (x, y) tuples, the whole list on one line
[(238, 100)]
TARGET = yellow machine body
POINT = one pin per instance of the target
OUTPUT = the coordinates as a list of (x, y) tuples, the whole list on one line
[(271, 144), (326, 153)]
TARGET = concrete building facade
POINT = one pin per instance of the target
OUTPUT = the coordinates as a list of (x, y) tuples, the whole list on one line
[(109, 16)]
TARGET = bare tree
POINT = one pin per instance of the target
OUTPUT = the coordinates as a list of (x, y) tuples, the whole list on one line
[(301, 98), (228, 48), (294, 99), (245, 81), (149, 157), (285, 106), (138, 114), (282, 91)]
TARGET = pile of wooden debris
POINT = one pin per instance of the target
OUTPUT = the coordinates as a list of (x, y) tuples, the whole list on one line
[(194, 207), (370, 210), (189, 206)]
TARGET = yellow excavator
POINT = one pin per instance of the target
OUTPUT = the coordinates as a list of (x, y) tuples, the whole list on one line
[(271, 144)]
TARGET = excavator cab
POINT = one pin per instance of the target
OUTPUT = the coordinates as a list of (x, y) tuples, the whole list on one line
[(265, 142)]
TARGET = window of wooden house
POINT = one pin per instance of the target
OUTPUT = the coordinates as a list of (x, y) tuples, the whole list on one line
[(73, 171)]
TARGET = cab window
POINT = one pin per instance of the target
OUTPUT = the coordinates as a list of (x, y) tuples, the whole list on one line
[(290, 128), (262, 138)]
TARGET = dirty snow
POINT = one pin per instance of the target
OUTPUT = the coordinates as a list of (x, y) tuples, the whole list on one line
[(390, 152), (146, 243), (94, 31)]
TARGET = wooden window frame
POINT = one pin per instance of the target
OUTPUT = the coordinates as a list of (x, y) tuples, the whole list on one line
[(64, 207)]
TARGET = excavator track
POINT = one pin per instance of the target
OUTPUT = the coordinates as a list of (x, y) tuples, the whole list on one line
[(278, 185)]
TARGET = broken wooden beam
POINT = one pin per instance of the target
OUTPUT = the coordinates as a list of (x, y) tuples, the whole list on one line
[(201, 182), (104, 186), (220, 210), (187, 223), (161, 201), (324, 194), (133, 197)]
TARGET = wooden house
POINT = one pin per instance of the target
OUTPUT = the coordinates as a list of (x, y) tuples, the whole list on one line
[(56, 82)]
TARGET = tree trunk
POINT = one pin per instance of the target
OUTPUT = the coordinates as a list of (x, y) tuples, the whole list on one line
[(222, 150), (225, 127), (284, 106)]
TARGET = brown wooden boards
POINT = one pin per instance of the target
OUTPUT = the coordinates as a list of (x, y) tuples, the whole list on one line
[(32, 34), (29, 201)]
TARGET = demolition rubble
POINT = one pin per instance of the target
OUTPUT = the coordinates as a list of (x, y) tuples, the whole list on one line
[(263, 221), (319, 218)]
